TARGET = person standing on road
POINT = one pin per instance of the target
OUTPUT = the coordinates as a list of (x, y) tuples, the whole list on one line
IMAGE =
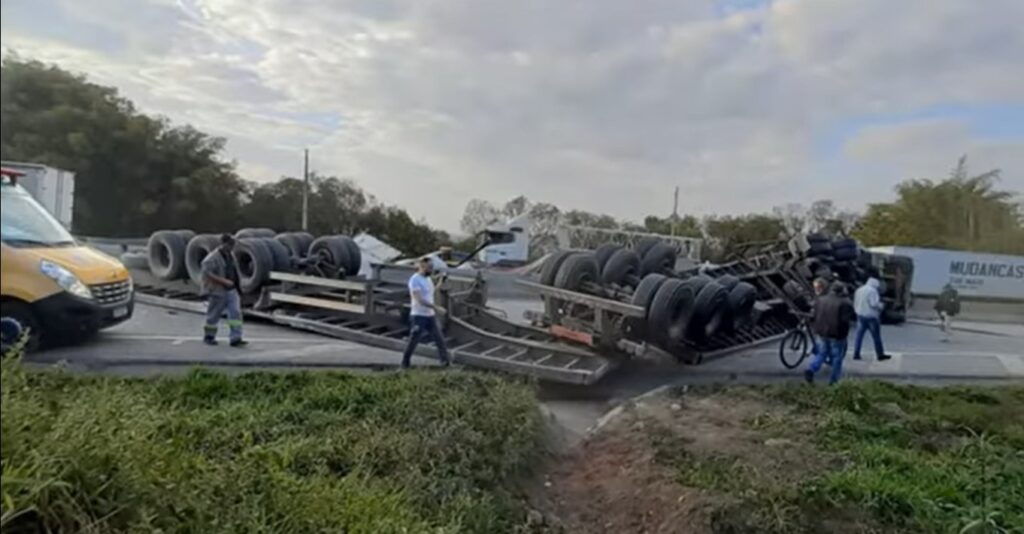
[(220, 285), (831, 325), (423, 313), (868, 305), (947, 306)]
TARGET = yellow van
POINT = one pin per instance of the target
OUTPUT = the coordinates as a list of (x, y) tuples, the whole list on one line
[(49, 284)]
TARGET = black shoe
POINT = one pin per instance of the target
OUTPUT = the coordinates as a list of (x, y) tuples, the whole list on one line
[(809, 376), (884, 357), (210, 341), (856, 358), (239, 343), (446, 364)]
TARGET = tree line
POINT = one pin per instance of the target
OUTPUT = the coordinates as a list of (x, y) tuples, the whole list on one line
[(135, 173), (959, 212)]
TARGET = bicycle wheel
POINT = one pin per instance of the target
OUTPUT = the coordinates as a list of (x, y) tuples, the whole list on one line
[(793, 348)]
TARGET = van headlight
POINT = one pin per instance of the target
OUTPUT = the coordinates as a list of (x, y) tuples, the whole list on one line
[(65, 279)]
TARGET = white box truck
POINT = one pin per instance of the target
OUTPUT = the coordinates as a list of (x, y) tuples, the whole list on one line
[(996, 277), (53, 188)]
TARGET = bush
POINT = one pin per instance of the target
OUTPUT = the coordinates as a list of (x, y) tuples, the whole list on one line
[(262, 452)]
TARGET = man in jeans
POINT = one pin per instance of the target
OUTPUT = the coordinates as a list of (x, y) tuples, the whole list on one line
[(868, 305), (423, 313), (220, 285), (831, 325)]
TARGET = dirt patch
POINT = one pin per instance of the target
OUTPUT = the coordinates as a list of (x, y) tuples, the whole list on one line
[(655, 468), (613, 483)]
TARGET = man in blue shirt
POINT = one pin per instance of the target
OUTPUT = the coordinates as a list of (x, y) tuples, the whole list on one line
[(423, 313)]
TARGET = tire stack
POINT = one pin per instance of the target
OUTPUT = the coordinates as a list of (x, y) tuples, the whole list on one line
[(840, 259), (178, 254), (611, 265)]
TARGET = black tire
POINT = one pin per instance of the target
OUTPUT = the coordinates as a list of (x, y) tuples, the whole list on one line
[(817, 238), (254, 263), (728, 281), (845, 254), (198, 248), (890, 316), (604, 252), (669, 312), (335, 250), (709, 311), (551, 265), (22, 314), (577, 270), (844, 242), (819, 248), (248, 233), (293, 244), (798, 294), (623, 268), (643, 297), (793, 348), (166, 251), (187, 235), (644, 245), (864, 259), (741, 302), (660, 258), (305, 240), (355, 256), (280, 256)]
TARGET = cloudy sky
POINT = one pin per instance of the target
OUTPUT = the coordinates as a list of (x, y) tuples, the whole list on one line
[(604, 105)]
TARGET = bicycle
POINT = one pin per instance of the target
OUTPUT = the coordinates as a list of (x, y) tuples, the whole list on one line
[(796, 344)]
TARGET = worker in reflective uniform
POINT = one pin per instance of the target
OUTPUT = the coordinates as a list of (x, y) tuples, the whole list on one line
[(220, 285)]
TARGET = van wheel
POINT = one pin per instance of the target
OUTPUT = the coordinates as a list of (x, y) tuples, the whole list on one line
[(21, 314)]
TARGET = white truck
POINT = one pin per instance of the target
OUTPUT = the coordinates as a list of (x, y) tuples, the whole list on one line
[(53, 188)]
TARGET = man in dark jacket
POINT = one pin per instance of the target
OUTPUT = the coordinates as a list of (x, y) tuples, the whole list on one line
[(947, 306), (831, 324)]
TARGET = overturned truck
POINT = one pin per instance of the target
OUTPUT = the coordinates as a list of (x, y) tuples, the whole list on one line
[(600, 307)]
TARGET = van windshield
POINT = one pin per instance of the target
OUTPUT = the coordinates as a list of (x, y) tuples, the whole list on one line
[(24, 223)]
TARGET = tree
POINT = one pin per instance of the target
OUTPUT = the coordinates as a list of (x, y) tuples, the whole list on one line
[(685, 226), (725, 234), (478, 215), (134, 173), (962, 212)]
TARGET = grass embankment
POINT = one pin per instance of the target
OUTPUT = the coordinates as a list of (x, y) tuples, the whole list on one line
[(862, 457), (301, 452)]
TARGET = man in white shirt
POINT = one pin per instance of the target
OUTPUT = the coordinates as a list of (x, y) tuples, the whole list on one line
[(868, 305), (423, 313)]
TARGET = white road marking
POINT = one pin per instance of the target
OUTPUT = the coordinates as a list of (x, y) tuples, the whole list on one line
[(178, 340)]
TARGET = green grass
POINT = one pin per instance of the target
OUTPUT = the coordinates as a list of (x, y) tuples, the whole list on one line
[(885, 459), (296, 452)]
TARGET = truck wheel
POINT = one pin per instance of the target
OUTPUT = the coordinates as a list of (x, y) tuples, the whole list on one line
[(576, 271), (668, 312), (253, 261), (645, 244), (660, 258), (305, 239), (709, 310), (166, 250), (820, 248), (728, 281), (248, 233), (741, 302), (642, 297), (797, 294), (623, 268), (355, 256), (293, 244), (551, 266), (198, 248), (605, 252), (21, 315), (279, 254), (335, 250)]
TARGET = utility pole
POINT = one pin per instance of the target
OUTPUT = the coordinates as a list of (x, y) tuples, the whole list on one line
[(675, 211), (305, 191)]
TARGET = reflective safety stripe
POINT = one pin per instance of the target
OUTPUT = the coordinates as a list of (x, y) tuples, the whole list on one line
[(234, 322)]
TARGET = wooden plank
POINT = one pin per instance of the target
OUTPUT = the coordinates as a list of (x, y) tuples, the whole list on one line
[(572, 335), (317, 281), (587, 300), (316, 303)]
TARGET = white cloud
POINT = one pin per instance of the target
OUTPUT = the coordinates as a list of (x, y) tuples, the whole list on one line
[(593, 104)]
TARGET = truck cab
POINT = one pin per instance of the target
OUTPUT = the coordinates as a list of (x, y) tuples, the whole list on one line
[(53, 287), (509, 243)]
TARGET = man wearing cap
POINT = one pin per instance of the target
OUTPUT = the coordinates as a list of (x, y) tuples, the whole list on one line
[(220, 285), (831, 325), (423, 313)]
